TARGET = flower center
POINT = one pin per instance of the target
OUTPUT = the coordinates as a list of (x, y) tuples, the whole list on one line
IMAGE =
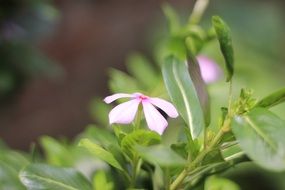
[(142, 97)]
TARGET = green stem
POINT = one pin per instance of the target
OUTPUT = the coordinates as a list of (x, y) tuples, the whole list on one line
[(136, 160), (138, 118), (134, 170), (198, 11), (167, 179), (178, 181), (230, 98)]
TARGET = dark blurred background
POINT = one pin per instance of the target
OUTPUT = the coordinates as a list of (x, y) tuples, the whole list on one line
[(54, 55)]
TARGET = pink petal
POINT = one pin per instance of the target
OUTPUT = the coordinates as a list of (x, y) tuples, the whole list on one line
[(210, 71), (112, 98), (154, 119), (166, 106), (124, 113)]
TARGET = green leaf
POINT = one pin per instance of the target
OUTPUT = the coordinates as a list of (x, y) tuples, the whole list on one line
[(163, 156), (101, 153), (201, 172), (41, 176), (99, 135), (138, 137), (172, 18), (142, 70), (173, 46), (273, 99), (14, 159), (11, 163), (195, 39), (9, 177), (101, 181), (200, 86), (231, 150), (225, 40), (183, 94), (121, 82), (260, 134), (219, 183), (55, 152), (181, 149)]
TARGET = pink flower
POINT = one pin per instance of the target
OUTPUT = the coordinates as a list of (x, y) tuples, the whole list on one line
[(210, 71), (125, 113)]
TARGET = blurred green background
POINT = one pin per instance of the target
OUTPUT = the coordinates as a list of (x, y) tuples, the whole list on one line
[(55, 57)]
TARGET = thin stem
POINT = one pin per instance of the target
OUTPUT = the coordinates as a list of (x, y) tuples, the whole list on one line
[(136, 159), (167, 179), (138, 118), (178, 181), (198, 11), (205, 137), (230, 98), (134, 170)]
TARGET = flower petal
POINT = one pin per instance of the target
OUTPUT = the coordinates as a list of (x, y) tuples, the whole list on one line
[(112, 98), (166, 106), (124, 113), (154, 119), (210, 71)]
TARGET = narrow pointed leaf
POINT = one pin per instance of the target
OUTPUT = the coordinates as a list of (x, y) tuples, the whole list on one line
[(183, 94), (231, 150), (172, 18), (100, 153), (273, 99), (41, 176), (260, 134), (225, 41)]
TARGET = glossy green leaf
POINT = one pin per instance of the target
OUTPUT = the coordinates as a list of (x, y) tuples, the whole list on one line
[(160, 155), (11, 163), (142, 70), (273, 99), (139, 137), (183, 94), (41, 176), (225, 40), (101, 181), (9, 177), (260, 134), (231, 150), (101, 153), (55, 152), (219, 183), (14, 159)]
